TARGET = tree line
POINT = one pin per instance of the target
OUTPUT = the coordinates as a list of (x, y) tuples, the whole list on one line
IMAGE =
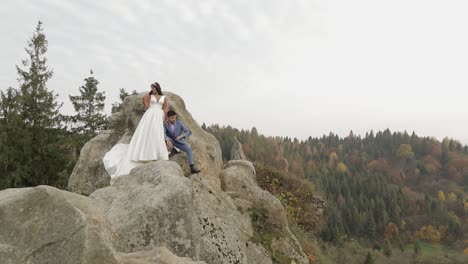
[(389, 188), (38, 144)]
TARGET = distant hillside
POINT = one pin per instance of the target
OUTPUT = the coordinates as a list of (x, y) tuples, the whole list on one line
[(388, 188)]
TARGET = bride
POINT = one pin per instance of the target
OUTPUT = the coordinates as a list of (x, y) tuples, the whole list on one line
[(147, 143)]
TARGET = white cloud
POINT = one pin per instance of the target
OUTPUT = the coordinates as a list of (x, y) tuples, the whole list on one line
[(319, 66)]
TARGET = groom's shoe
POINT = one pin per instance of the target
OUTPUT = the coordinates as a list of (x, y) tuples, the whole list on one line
[(194, 170), (173, 152)]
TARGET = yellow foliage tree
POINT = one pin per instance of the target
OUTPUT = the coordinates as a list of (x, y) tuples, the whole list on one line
[(451, 197), (333, 156), (441, 196), (341, 167), (431, 234), (405, 151)]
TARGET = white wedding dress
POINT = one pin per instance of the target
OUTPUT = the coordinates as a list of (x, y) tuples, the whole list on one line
[(147, 143)]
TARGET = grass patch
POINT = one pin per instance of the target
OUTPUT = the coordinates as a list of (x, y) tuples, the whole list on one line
[(265, 231)]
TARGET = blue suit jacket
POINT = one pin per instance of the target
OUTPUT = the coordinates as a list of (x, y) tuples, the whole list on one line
[(179, 129)]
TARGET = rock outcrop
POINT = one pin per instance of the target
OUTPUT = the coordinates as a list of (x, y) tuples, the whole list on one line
[(156, 205), (155, 214), (237, 152), (151, 206), (47, 225), (238, 180), (89, 173)]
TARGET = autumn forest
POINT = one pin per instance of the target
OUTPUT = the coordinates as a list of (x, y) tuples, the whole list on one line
[(388, 188)]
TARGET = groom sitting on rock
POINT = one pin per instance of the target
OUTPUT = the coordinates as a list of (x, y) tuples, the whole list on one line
[(176, 132)]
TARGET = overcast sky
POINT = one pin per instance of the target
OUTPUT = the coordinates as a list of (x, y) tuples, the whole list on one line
[(287, 67)]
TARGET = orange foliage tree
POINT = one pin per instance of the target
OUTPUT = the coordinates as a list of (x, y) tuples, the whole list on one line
[(431, 165), (395, 176), (391, 231), (455, 169), (378, 165)]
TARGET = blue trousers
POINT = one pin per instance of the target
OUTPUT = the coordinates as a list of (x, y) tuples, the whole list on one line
[(185, 147)]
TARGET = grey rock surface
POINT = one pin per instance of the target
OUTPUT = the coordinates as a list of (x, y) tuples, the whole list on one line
[(257, 254), (152, 206), (238, 180), (237, 152), (156, 205), (159, 255), (47, 225)]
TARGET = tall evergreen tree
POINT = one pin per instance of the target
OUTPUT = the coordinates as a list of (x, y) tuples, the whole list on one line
[(369, 259), (416, 248), (89, 106), (39, 106), (33, 112), (39, 109), (387, 248), (11, 134)]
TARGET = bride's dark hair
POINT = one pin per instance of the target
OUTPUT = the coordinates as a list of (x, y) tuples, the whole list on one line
[(158, 88)]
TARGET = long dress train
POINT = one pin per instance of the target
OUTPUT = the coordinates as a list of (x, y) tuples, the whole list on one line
[(147, 143)]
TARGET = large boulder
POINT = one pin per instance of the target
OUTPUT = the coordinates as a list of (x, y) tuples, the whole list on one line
[(47, 225), (89, 173), (156, 205), (152, 206), (223, 230)]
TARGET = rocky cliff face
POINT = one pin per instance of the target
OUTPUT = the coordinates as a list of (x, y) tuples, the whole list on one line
[(156, 214)]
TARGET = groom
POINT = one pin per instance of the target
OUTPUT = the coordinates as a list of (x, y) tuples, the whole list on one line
[(176, 132)]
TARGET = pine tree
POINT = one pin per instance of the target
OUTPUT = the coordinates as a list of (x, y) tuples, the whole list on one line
[(89, 106), (11, 134), (118, 106), (34, 116), (369, 259), (40, 109), (387, 248), (416, 248), (370, 227)]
